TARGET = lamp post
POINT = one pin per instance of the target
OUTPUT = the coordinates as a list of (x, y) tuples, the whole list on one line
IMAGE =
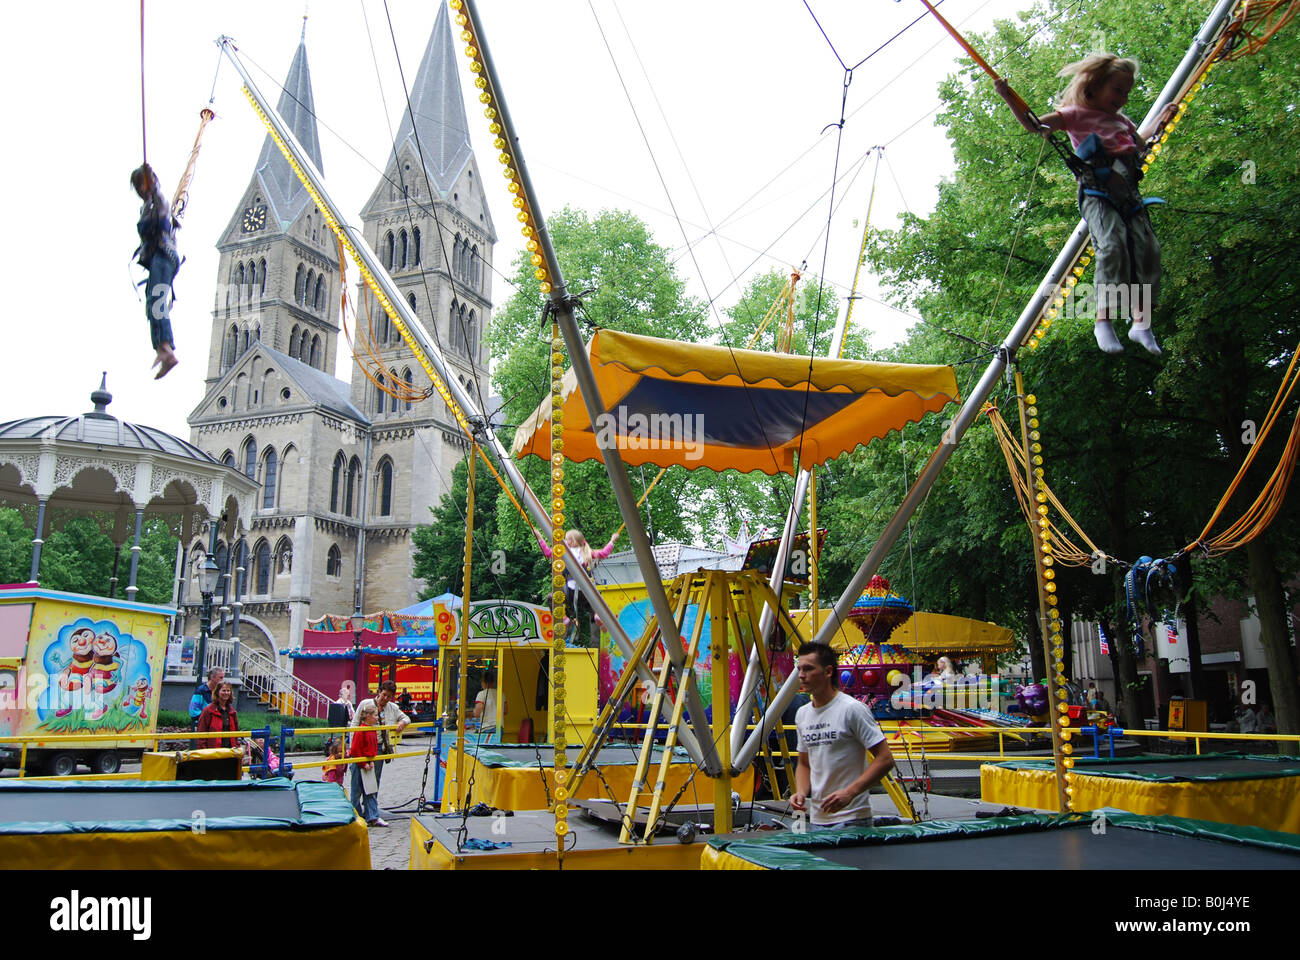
[(358, 623), (209, 574)]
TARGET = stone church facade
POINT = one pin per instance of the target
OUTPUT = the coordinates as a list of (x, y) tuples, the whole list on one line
[(347, 471)]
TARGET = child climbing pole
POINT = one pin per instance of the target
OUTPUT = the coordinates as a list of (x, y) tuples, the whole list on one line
[(1107, 146), (157, 254)]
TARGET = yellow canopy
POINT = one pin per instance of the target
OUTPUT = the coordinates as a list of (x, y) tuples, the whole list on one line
[(923, 633), (696, 405)]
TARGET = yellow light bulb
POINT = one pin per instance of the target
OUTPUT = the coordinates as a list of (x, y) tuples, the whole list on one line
[(544, 287), (1031, 399), (1049, 587)]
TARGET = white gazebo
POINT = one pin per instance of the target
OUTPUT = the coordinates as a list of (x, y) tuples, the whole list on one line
[(58, 467)]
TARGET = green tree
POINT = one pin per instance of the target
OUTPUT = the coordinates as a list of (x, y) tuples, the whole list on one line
[(15, 547)]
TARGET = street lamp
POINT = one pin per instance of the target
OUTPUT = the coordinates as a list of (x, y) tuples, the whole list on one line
[(209, 574), (357, 622)]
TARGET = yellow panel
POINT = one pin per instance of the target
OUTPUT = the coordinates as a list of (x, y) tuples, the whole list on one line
[(1269, 802), (715, 859), (332, 848)]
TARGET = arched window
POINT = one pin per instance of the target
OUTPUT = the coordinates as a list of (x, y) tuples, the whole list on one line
[(410, 298), (384, 489), (231, 350), (406, 375), (403, 249), (389, 249), (250, 458), (315, 351), (379, 394), (245, 339), (240, 571), (222, 558), (319, 300), (455, 257), (239, 281), (228, 458), (263, 565), (461, 332), (304, 348), (354, 475), (392, 399), (298, 280), (293, 343), (335, 479), (269, 473), (309, 287), (382, 333), (471, 336), (476, 276), (453, 326), (415, 233), (334, 562), (261, 278)]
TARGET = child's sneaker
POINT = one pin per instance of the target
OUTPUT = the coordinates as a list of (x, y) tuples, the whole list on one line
[(1106, 338), (1145, 337)]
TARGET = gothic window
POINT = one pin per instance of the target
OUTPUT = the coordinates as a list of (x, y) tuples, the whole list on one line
[(334, 562), (415, 234), (461, 332), (304, 348), (250, 458), (379, 394), (244, 350), (293, 343), (389, 249), (476, 277), (308, 288), (315, 351), (239, 282), (228, 458), (231, 348), (335, 477), (263, 555), (382, 334), (471, 336), (453, 326), (222, 558), (319, 300), (406, 375), (240, 573), (405, 250), (298, 280), (261, 278), (455, 257), (269, 472), (354, 475), (392, 400), (384, 488), (410, 298)]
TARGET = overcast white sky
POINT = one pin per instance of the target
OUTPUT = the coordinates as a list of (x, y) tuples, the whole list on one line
[(735, 96)]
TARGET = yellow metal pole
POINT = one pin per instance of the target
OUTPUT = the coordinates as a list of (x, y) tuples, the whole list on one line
[(812, 550), (462, 695), (1049, 617), (720, 650)]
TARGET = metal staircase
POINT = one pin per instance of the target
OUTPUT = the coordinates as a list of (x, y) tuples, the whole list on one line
[(271, 684)]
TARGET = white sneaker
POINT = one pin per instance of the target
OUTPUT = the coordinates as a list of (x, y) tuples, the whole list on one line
[(1145, 337), (1106, 339), (380, 823)]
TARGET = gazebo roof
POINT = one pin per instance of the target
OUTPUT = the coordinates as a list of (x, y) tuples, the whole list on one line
[(142, 463)]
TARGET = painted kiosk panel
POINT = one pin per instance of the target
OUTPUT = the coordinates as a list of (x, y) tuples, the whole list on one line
[(77, 665)]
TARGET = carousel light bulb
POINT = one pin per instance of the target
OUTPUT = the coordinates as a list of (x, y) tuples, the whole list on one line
[(1031, 399)]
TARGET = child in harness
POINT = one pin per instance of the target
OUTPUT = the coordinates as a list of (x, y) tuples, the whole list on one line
[(1108, 148)]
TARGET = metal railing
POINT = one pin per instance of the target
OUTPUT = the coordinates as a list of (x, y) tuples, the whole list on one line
[(262, 677)]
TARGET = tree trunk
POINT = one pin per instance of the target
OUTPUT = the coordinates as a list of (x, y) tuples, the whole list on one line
[(1036, 658), (1270, 605)]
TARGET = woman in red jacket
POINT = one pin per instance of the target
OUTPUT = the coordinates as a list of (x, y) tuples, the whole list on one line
[(365, 743), (219, 715)]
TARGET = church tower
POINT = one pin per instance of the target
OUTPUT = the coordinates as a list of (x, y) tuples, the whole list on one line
[(347, 472), (428, 221), (278, 279)]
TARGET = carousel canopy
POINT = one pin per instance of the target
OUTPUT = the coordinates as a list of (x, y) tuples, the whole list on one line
[(924, 633), (696, 405)]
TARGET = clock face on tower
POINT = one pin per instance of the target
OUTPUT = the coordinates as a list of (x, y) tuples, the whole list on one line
[(254, 218)]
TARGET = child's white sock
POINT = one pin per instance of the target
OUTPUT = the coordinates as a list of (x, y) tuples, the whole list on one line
[(1144, 336), (1106, 338)]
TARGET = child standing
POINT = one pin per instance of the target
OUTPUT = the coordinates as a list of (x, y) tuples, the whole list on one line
[(333, 772), (365, 743), (1128, 254), (577, 544)]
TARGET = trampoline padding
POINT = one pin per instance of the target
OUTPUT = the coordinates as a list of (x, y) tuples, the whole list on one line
[(1020, 843), (1237, 789)]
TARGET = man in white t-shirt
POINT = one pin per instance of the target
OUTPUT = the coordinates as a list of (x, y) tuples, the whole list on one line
[(485, 707), (835, 732)]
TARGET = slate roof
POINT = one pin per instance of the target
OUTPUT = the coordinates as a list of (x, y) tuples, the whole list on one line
[(329, 392)]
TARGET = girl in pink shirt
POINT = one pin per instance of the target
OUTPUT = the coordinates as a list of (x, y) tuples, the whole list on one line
[(1127, 253), (577, 544)]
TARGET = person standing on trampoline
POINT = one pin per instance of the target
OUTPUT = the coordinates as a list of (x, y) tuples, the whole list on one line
[(836, 732)]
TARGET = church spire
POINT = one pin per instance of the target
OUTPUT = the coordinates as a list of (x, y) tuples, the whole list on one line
[(284, 193), (439, 111)]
